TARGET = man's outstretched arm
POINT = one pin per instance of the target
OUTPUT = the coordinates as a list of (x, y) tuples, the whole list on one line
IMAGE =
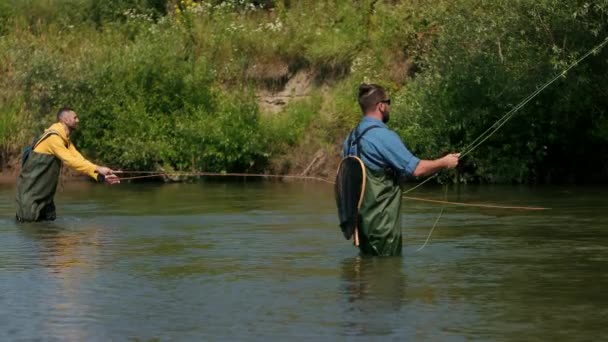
[(429, 167), (74, 160)]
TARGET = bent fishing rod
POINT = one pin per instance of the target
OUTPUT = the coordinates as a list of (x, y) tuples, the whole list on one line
[(510, 114), (501, 122)]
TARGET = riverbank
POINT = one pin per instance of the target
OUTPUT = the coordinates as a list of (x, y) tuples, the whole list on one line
[(303, 161), (9, 177), (241, 87)]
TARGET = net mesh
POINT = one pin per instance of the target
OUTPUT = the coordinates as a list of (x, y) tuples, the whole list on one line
[(349, 187)]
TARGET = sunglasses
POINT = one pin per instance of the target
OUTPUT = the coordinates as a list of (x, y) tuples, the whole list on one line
[(388, 102)]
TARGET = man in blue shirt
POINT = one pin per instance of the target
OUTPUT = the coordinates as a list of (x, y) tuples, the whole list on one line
[(386, 160)]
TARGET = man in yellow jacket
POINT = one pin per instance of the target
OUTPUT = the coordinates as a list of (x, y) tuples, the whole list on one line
[(39, 175)]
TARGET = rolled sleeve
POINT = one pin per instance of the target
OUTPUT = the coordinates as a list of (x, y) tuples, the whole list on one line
[(398, 156)]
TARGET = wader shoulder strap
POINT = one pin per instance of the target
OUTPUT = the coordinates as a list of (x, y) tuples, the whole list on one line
[(46, 135), (357, 138), (29, 149)]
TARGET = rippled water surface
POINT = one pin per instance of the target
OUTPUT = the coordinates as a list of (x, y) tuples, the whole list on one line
[(266, 260)]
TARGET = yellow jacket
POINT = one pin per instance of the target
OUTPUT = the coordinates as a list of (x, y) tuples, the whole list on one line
[(56, 144)]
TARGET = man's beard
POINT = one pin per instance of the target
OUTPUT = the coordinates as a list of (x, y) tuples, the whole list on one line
[(385, 117)]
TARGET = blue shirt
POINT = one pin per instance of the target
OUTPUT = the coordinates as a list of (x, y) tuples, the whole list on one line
[(382, 148)]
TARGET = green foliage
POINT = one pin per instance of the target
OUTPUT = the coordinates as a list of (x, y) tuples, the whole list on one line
[(171, 83), (38, 16), (489, 57), (9, 123), (229, 138), (288, 127), (13, 131)]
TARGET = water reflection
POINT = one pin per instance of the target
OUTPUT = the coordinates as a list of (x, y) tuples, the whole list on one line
[(266, 262), (375, 292), (69, 257), (60, 247)]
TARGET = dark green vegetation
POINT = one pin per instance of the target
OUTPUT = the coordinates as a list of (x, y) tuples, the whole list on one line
[(178, 85)]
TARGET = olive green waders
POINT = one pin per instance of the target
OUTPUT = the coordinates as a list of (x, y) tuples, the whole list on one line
[(36, 187), (380, 215)]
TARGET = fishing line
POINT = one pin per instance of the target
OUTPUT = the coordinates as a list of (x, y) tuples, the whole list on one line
[(503, 120), (468, 149), (435, 224), (478, 205), (156, 174), (500, 122)]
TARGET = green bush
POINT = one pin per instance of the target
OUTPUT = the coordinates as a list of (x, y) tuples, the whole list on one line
[(171, 83), (489, 57)]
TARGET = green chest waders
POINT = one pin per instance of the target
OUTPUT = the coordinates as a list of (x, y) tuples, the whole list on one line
[(36, 185), (368, 204)]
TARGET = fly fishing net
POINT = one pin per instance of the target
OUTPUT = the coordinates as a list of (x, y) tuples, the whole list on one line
[(349, 190)]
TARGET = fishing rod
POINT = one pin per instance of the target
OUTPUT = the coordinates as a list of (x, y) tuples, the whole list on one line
[(468, 149), (509, 115), (503, 120)]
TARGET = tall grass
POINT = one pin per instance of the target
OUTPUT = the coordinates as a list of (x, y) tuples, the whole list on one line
[(174, 83)]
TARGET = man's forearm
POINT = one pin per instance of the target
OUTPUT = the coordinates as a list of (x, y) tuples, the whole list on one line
[(428, 167)]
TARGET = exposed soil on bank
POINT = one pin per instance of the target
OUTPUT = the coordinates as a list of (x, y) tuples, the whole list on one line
[(310, 157)]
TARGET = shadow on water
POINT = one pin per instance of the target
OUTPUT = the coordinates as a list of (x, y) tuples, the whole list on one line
[(375, 290)]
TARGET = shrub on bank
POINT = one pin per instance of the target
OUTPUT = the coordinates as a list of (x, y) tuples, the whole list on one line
[(172, 83)]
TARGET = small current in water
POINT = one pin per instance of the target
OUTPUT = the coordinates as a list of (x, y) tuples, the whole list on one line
[(252, 261)]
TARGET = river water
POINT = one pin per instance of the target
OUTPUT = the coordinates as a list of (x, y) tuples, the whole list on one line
[(259, 260)]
